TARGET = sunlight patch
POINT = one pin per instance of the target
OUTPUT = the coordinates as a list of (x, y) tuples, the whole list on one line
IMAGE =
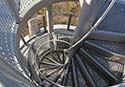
[(1, 85)]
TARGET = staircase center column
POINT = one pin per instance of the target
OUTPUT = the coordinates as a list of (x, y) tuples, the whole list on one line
[(88, 14)]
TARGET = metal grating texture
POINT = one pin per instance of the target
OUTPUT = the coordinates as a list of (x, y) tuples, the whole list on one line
[(17, 2), (111, 46), (114, 22), (8, 29), (115, 67), (24, 4), (9, 77)]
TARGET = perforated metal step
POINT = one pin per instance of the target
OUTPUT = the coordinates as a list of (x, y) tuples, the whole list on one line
[(115, 20)]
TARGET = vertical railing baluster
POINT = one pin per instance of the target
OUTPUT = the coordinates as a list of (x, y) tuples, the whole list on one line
[(20, 6), (69, 21), (22, 37)]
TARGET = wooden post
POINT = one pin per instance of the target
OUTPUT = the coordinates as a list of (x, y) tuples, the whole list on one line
[(33, 26), (49, 15)]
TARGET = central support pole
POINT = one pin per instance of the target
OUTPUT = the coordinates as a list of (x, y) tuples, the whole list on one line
[(89, 12), (88, 15)]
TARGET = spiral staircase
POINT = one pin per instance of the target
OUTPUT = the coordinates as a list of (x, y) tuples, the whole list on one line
[(53, 58)]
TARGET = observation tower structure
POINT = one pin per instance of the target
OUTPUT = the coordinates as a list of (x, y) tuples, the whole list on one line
[(88, 54)]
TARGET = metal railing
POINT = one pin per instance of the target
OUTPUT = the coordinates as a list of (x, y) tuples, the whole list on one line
[(6, 17), (8, 29), (41, 47), (67, 25), (9, 15)]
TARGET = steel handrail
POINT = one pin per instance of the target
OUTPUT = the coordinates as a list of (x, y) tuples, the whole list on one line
[(93, 27)]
